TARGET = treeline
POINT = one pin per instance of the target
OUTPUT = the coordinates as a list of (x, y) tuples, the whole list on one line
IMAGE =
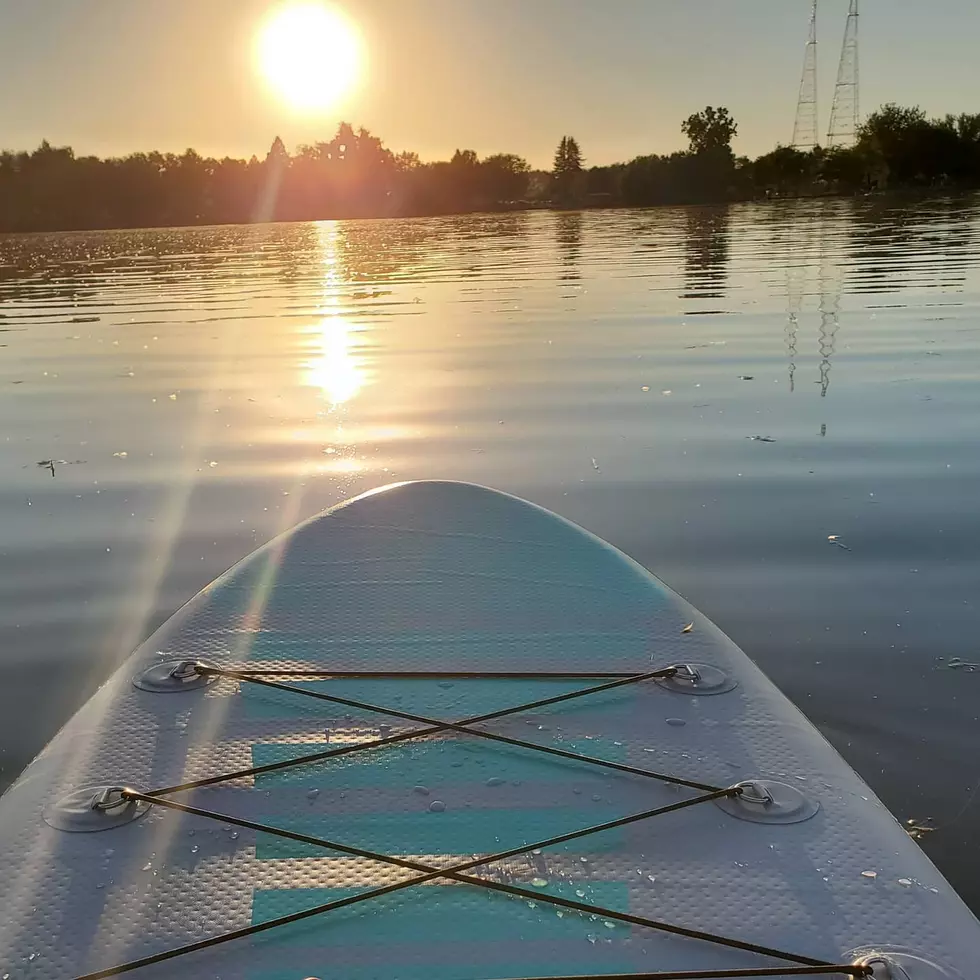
[(355, 175)]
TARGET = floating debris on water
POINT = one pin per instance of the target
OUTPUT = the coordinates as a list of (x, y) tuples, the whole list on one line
[(595, 465), (121, 455), (835, 540), (760, 438), (917, 829), (746, 377), (689, 628)]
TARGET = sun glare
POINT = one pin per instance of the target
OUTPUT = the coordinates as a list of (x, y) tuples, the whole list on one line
[(310, 54)]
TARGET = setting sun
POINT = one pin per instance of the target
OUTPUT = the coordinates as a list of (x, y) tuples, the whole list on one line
[(309, 54)]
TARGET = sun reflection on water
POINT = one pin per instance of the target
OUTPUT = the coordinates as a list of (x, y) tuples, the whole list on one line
[(337, 364), (335, 368)]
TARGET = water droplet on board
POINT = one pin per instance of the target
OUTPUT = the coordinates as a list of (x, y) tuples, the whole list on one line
[(592, 939), (148, 865), (596, 797), (906, 882), (580, 893), (869, 874), (421, 790), (560, 913), (609, 924), (32, 957), (312, 794), (195, 849), (234, 835), (651, 878), (437, 806), (537, 850), (584, 860), (532, 905), (539, 882)]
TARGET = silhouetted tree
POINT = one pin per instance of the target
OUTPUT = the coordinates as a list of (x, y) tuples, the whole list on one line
[(566, 171), (504, 177), (710, 129)]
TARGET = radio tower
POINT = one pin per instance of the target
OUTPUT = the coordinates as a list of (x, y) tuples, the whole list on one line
[(847, 107), (807, 120)]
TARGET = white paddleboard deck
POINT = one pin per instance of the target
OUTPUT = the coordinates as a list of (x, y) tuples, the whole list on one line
[(443, 578)]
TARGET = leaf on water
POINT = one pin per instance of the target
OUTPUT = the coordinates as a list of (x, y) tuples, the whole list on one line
[(689, 628), (746, 377), (760, 438)]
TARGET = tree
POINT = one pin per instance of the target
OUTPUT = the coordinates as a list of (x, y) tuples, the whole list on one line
[(504, 177), (785, 170), (710, 129), (908, 148), (566, 171), (568, 157)]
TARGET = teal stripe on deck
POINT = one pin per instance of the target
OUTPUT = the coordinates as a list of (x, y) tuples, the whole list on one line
[(448, 700), (463, 831), (447, 932)]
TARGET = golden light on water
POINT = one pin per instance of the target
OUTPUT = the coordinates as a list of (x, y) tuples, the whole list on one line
[(335, 367), (336, 364), (310, 54)]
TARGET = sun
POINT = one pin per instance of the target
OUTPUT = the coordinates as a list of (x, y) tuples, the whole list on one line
[(309, 54)]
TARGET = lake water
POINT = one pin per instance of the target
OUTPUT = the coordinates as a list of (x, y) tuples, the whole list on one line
[(716, 391)]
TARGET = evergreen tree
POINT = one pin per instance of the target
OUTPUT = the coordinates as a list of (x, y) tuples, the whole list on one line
[(566, 171)]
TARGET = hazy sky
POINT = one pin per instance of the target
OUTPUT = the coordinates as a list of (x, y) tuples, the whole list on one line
[(112, 76)]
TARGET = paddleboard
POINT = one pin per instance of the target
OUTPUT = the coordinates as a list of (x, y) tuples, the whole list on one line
[(440, 733)]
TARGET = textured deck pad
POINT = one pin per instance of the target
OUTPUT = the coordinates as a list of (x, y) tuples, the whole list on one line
[(434, 577)]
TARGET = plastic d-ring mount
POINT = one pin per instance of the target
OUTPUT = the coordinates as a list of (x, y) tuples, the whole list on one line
[(93, 808), (174, 676)]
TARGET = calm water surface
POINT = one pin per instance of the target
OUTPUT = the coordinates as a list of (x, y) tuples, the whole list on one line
[(717, 392)]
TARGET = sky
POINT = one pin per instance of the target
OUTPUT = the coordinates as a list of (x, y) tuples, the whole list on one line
[(111, 77)]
